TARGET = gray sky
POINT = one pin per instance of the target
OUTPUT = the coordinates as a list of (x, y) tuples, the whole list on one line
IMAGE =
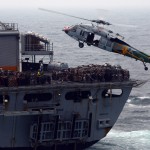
[(102, 4)]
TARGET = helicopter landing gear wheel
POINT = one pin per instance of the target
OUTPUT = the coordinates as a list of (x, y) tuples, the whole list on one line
[(88, 44), (146, 68), (81, 45)]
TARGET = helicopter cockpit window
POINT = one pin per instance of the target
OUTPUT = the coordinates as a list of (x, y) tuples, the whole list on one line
[(74, 29), (82, 33)]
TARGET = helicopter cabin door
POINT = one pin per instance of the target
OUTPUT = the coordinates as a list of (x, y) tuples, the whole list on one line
[(105, 44), (90, 38)]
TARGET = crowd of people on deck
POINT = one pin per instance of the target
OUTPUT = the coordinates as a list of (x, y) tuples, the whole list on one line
[(92, 73), (84, 74)]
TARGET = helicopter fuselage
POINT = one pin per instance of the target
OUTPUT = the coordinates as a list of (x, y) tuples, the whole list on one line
[(106, 40)]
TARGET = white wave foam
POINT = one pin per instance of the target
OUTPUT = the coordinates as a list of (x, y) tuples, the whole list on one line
[(121, 140), (143, 97), (134, 134), (130, 140), (139, 101)]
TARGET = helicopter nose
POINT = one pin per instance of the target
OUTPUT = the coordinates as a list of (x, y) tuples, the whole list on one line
[(66, 29)]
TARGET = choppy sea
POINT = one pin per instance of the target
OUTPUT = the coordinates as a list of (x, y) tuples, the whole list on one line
[(132, 130)]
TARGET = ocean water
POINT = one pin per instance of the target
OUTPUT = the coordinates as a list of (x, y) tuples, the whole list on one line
[(132, 130)]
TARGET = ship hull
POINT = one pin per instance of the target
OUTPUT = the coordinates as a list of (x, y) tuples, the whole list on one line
[(68, 115)]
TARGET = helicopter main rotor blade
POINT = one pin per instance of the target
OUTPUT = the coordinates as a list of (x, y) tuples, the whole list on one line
[(125, 25), (56, 12)]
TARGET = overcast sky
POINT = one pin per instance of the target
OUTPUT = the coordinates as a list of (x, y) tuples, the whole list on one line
[(102, 4)]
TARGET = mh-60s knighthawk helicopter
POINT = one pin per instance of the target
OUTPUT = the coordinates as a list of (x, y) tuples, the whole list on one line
[(102, 38)]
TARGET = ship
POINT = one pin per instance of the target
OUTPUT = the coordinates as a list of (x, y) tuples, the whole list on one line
[(49, 105)]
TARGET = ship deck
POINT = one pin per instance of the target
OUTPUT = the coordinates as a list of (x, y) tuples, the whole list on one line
[(72, 85)]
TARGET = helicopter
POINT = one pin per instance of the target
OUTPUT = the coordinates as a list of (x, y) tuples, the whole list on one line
[(100, 37)]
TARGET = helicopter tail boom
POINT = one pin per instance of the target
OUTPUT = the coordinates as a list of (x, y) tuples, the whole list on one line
[(125, 49), (129, 51)]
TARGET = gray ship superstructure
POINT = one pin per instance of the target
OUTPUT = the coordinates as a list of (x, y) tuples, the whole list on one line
[(52, 106)]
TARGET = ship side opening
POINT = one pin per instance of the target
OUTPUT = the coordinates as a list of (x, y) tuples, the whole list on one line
[(38, 97), (78, 95), (112, 93)]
